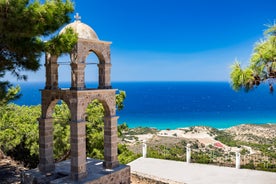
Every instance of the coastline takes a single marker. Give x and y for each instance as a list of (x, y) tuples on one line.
[(160, 128), (255, 143)]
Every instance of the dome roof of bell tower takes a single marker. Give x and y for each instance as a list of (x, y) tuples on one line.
[(83, 30)]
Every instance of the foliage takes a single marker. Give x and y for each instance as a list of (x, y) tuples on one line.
[(244, 151), (22, 24), (95, 126), (262, 66), (142, 130), (122, 128), (62, 119), (241, 77), (249, 165), (173, 152), (95, 130), (201, 157), (226, 139), (120, 97), (19, 132), (125, 155), (62, 43), (263, 166), (8, 93)]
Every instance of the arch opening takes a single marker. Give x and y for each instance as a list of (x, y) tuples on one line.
[(60, 114), (95, 113), (91, 70), (61, 120), (64, 71)]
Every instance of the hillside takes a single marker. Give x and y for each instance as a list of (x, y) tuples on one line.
[(257, 144), (253, 133)]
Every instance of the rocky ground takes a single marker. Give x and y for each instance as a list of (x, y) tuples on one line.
[(9, 170)]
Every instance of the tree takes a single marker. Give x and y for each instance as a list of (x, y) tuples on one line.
[(120, 97), (262, 65), (23, 23), (19, 132), (8, 93)]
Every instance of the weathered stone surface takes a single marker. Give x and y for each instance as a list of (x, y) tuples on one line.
[(96, 174)]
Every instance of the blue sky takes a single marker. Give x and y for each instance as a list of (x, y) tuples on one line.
[(174, 40)]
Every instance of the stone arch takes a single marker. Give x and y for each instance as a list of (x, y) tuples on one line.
[(107, 111), (91, 70), (46, 130), (107, 108), (106, 98), (51, 107), (78, 62), (99, 54)]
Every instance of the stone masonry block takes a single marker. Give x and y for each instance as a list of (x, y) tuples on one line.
[(45, 168), (46, 160), (46, 152), (78, 161), (46, 139), (46, 146), (78, 129)]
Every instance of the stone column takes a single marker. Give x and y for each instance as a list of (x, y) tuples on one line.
[(51, 67), (238, 159), (46, 158), (110, 142), (144, 147), (188, 153), (77, 76), (104, 76), (78, 150)]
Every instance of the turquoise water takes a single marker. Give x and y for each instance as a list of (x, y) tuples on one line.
[(221, 121), (182, 104)]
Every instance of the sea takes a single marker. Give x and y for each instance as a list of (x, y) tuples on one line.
[(172, 105)]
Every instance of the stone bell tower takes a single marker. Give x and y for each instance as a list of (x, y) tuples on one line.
[(77, 98)]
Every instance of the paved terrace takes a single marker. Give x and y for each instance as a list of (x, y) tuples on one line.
[(180, 172)]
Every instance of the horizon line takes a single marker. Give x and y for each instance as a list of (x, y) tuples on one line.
[(130, 81)]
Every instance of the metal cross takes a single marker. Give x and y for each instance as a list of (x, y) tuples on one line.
[(77, 17)]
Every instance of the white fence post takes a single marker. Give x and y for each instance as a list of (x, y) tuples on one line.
[(188, 153), (238, 159), (144, 147)]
